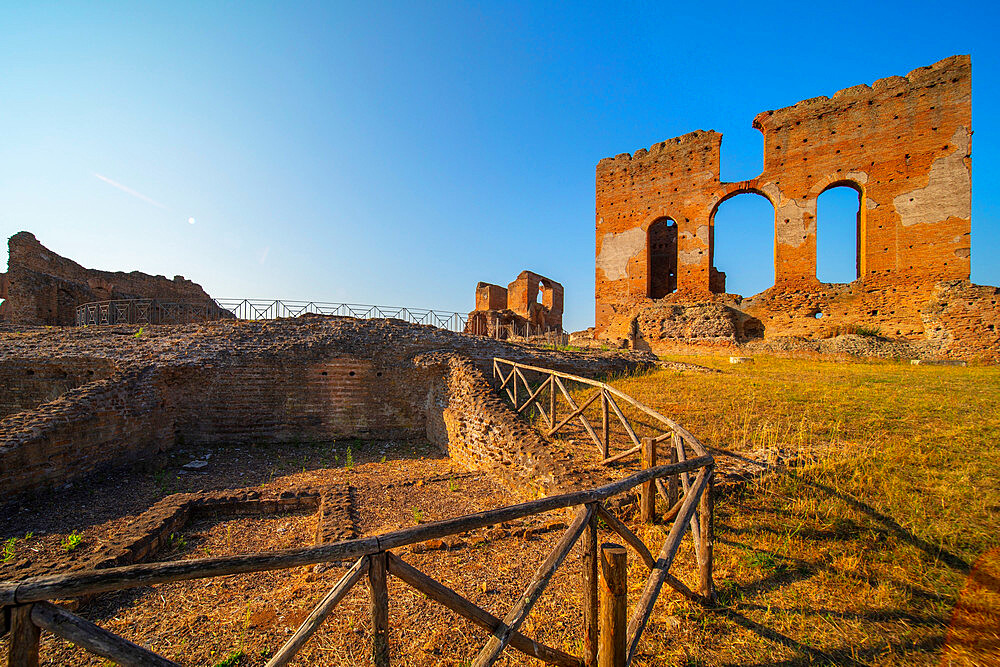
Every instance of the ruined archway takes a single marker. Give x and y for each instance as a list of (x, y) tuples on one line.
[(742, 256), (839, 232), (661, 258)]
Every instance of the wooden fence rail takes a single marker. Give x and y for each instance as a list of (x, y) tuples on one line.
[(508, 376), (31, 612)]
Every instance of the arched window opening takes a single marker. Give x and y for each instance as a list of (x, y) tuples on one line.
[(661, 249), (838, 227), (741, 245)]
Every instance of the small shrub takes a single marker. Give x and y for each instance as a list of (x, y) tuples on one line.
[(177, 541), (452, 484), (72, 541), (138, 334), (9, 550), (349, 459), (232, 659), (871, 331), (418, 515)]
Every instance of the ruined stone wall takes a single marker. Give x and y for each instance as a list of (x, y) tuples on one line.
[(903, 143), (490, 297), (530, 301), (41, 287), (294, 400), (305, 379), (28, 383), (118, 419), (469, 421)]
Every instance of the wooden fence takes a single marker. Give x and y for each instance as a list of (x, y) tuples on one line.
[(30, 610)]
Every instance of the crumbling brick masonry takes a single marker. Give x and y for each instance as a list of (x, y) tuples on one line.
[(40, 287), (530, 300), (903, 143)]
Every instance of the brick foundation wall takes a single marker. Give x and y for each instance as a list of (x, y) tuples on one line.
[(29, 383), (288, 400), (303, 379), (118, 419), (469, 421)]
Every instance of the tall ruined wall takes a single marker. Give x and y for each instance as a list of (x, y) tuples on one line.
[(40, 287), (903, 143)]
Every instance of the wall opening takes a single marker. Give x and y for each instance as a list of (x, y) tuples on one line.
[(838, 234), (741, 244), (661, 258)]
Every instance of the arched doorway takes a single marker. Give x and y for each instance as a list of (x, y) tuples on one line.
[(661, 255)]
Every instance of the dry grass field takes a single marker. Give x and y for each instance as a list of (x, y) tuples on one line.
[(859, 552)]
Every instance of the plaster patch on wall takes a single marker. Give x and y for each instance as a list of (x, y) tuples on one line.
[(870, 203), (702, 234), (949, 189), (690, 256), (859, 177), (792, 226), (617, 250)]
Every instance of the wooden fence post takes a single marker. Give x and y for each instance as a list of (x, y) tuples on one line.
[(552, 402), (647, 492), (614, 605), (24, 634), (673, 482), (590, 596), (380, 609), (605, 425), (706, 510)]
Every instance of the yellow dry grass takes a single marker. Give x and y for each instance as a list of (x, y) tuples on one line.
[(858, 554)]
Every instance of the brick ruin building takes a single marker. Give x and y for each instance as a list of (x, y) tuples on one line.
[(532, 302), (42, 288), (903, 143)]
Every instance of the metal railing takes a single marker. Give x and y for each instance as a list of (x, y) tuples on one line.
[(148, 311), (155, 311)]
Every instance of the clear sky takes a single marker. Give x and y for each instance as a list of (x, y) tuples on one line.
[(396, 154)]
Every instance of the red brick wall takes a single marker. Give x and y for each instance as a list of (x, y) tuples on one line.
[(281, 400), (904, 143)]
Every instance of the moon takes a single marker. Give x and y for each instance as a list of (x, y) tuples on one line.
[(190, 221)]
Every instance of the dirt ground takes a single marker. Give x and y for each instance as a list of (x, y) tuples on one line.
[(243, 619)]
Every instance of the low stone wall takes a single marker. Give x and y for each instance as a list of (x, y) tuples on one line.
[(118, 419), (150, 531), (29, 383), (469, 421)]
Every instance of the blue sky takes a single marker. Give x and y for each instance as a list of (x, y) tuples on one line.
[(398, 153)]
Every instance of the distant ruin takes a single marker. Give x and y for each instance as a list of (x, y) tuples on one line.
[(532, 303), (904, 144), (42, 288)]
